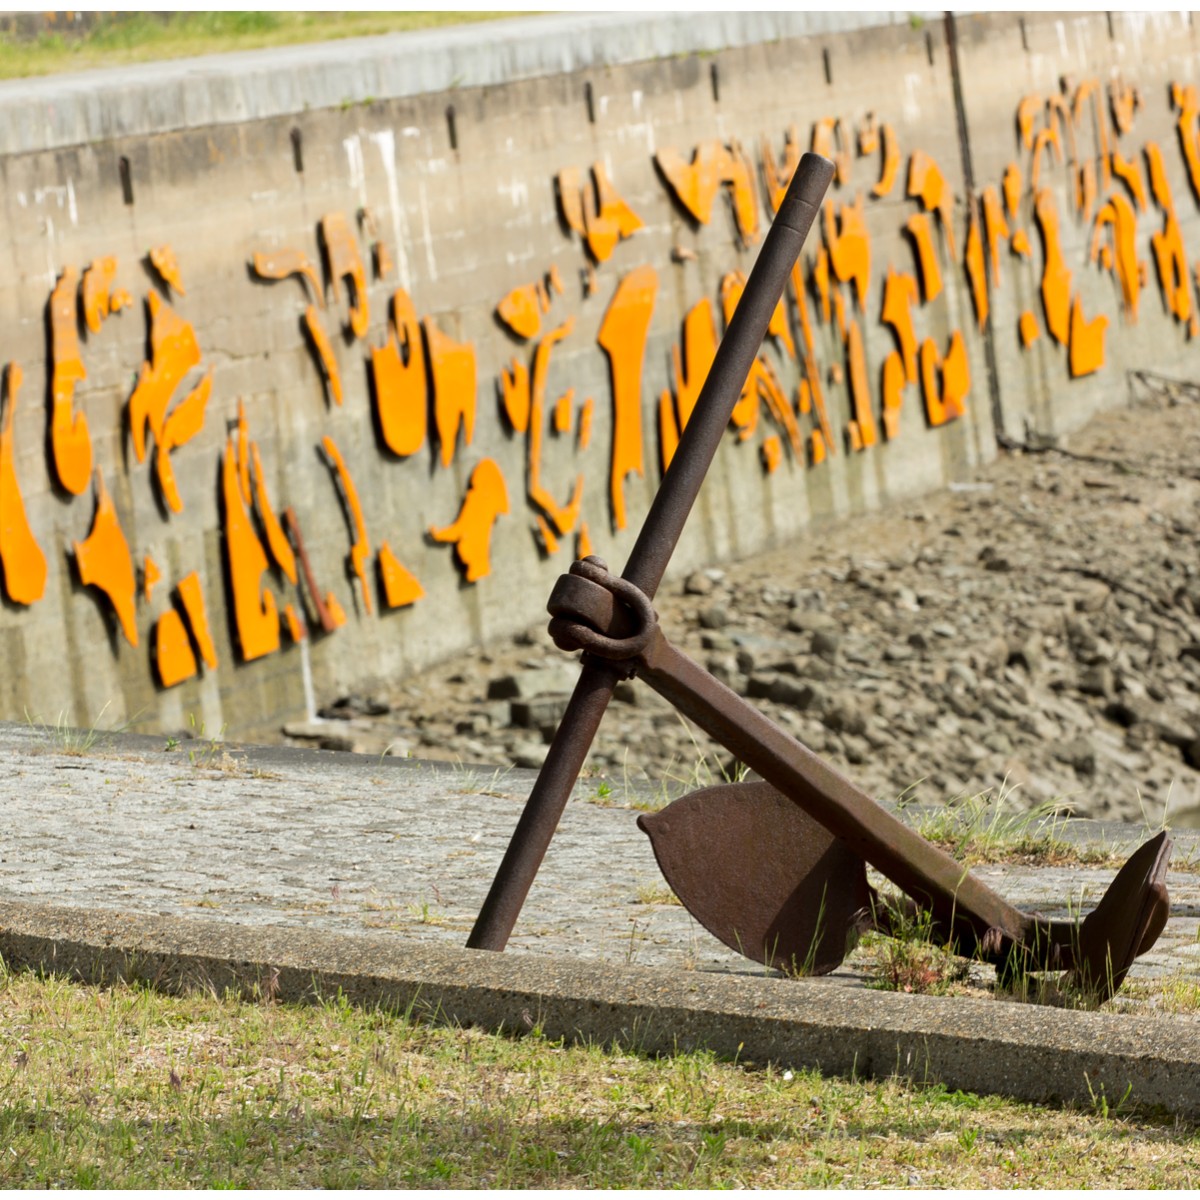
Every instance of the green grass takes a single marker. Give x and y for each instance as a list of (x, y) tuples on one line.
[(117, 39), (125, 1087)]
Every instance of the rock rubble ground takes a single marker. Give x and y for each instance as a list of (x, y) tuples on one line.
[(1033, 631)]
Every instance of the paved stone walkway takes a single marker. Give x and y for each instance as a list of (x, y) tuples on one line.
[(350, 843)]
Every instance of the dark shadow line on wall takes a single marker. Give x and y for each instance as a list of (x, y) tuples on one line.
[(968, 170)]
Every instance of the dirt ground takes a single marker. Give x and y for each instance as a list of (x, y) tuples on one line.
[(1033, 632)]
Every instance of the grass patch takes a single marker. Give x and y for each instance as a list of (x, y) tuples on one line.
[(989, 828), (118, 39), (124, 1087)]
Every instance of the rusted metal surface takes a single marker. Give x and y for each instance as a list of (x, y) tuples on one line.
[(655, 544), (778, 870), (762, 876)]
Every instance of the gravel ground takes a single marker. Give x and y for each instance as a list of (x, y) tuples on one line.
[(1032, 632)]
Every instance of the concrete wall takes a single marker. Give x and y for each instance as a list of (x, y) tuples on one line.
[(452, 154)]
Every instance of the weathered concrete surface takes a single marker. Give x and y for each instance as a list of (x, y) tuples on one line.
[(223, 160), (296, 869), (1029, 1053)]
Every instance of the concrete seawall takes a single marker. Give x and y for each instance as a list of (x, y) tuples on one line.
[(431, 308)]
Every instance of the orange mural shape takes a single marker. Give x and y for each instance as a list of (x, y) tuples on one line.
[(324, 349), (927, 184), (150, 576), (1130, 174), (893, 394), (976, 269), (1184, 98), (520, 311), (21, 557), (1056, 277), (345, 264), (696, 183), (1170, 258), (622, 337), (1027, 326), (772, 454), (192, 595), (689, 370), (995, 230), (1118, 213), (173, 352), (95, 291), (607, 219), (281, 549), (360, 551), (105, 563), (400, 586), (890, 170), (173, 654), (163, 259), (286, 262), (256, 618), (778, 173), (70, 440), (1086, 353), (861, 429), (927, 260), (945, 402), (471, 532), (398, 371), (849, 246), (829, 140), (184, 422), (452, 368)]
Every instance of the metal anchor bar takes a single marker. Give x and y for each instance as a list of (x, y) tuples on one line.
[(655, 544)]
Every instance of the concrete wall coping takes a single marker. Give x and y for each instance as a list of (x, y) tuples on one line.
[(86, 106)]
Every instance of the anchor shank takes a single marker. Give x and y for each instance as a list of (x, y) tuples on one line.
[(655, 544), (960, 902)]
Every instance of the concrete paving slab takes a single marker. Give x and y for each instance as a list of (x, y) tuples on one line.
[(228, 864)]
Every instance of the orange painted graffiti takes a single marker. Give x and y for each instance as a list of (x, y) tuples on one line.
[(398, 371), (344, 264), (71, 442), (21, 557), (471, 531), (713, 165), (622, 337), (104, 561), (597, 213), (452, 369), (360, 550)]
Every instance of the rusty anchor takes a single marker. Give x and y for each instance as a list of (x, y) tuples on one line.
[(777, 869)]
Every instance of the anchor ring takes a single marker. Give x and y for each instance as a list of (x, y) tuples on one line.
[(569, 627)]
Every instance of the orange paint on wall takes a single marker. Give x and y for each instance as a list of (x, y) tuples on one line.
[(697, 182), (255, 615), (778, 173), (1056, 278), (398, 371), (1184, 98), (811, 393), (163, 260), (563, 517), (562, 412), (899, 296), (1027, 326), (452, 367), (346, 264), (295, 627), (1087, 342), (607, 219), (97, 284), (324, 349), (862, 427), (21, 557), (70, 440), (623, 336), (360, 551), (849, 246), (184, 422), (519, 310), (1170, 257), (1028, 110), (104, 561), (283, 263), (281, 550), (586, 412), (192, 596), (400, 586), (1130, 174), (173, 654), (150, 576), (1085, 189), (1011, 186), (931, 273), (1020, 244), (1046, 138), (1118, 213), (927, 184), (1124, 101), (515, 395), (829, 140), (945, 402), (995, 230), (471, 532), (890, 170), (173, 352), (893, 394), (772, 454)]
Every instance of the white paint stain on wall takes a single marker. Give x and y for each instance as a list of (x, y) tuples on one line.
[(384, 140), (426, 233), (912, 89), (354, 158)]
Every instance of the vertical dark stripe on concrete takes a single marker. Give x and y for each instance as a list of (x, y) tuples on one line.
[(968, 170)]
